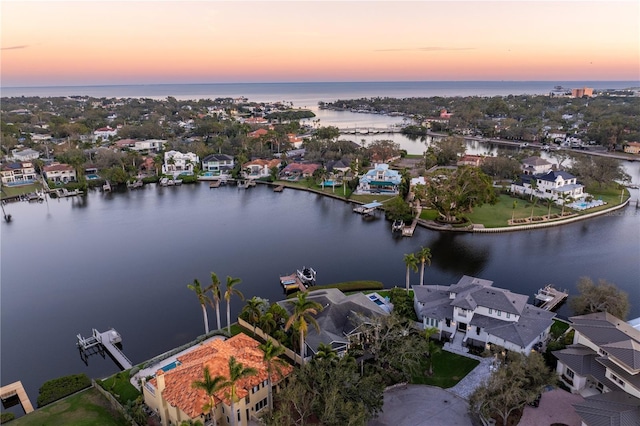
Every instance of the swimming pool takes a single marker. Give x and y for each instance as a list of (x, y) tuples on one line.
[(92, 176), (171, 366), (380, 301)]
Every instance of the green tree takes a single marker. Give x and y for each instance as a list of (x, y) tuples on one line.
[(303, 314), (601, 297), (211, 385), (411, 262), (511, 387), (228, 294), (267, 323), (446, 151), (252, 311), (237, 372), (424, 255), (217, 296), (325, 351), (203, 299), (275, 365)]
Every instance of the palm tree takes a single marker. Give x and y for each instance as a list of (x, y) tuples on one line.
[(424, 255), (432, 347), (210, 385), (253, 311), (534, 185), (412, 263), (237, 371), (303, 312), (325, 351), (565, 199), (513, 211), (215, 289), (273, 363), (203, 299), (228, 294), (267, 323)]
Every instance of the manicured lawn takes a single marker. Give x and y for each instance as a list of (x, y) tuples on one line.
[(499, 214), (120, 386), (13, 191), (86, 408), (448, 369), (558, 327), (428, 214)]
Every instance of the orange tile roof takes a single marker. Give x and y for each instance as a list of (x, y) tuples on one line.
[(215, 355)]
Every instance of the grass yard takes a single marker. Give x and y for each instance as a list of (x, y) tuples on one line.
[(120, 387), (499, 214), (86, 408), (558, 328), (14, 191), (448, 369)]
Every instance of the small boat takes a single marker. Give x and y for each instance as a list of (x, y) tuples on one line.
[(307, 276), (397, 226)]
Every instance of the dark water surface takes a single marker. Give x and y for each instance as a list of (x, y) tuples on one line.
[(124, 260)]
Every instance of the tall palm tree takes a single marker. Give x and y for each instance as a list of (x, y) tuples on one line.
[(210, 385), (228, 294), (534, 185), (273, 363), (237, 371), (253, 311), (412, 263), (424, 255), (203, 299), (217, 295), (267, 323), (302, 316)]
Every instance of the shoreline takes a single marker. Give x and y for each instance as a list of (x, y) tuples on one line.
[(474, 228)]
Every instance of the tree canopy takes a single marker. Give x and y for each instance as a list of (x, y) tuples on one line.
[(598, 170), (599, 297)]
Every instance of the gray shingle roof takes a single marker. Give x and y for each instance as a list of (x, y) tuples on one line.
[(553, 175), (500, 299), (578, 358), (627, 351), (610, 409), (536, 161), (340, 316)]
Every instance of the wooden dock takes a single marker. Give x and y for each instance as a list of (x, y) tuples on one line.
[(408, 231), (214, 184), (16, 389), (103, 341), (279, 188), (550, 297), (292, 282)]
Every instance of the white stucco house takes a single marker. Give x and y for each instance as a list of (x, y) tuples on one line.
[(473, 312), (104, 133), (25, 154), (18, 173), (259, 168), (218, 165), (535, 166), (177, 163), (551, 185), (380, 179), (603, 365)]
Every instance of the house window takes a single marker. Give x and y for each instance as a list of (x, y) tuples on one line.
[(570, 373), (508, 315), (490, 311), (499, 313)]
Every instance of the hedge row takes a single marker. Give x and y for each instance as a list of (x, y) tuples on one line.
[(58, 388)]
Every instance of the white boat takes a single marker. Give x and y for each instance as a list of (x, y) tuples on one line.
[(307, 276), (397, 226)]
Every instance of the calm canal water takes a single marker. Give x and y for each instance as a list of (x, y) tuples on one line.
[(123, 260)]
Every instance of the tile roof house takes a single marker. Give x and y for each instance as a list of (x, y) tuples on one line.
[(551, 185), (473, 312), (603, 365), (18, 173), (257, 133), (58, 172), (380, 179), (171, 394), (632, 148), (340, 319), (299, 170)]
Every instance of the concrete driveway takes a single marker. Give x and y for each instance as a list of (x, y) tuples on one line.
[(421, 405)]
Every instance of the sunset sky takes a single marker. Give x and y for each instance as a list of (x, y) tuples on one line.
[(126, 42)]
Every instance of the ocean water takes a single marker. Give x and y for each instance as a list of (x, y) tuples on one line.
[(309, 94)]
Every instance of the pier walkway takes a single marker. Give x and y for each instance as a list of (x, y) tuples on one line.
[(550, 297), (408, 231), (105, 340), (16, 389)]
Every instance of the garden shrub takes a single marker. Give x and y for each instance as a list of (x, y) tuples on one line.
[(6, 417), (58, 388)]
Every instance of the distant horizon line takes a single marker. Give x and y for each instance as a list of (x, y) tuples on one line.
[(317, 82)]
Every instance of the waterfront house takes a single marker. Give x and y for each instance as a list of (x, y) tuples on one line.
[(474, 313), (18, 173), (171, 396), (60, 173), (257, 133), (218, 165), (296, 171), (340, 321), (177, 163), (535, 166), (553, 185), (603, 365), (470, 160), (259, 168), (380, 179)]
